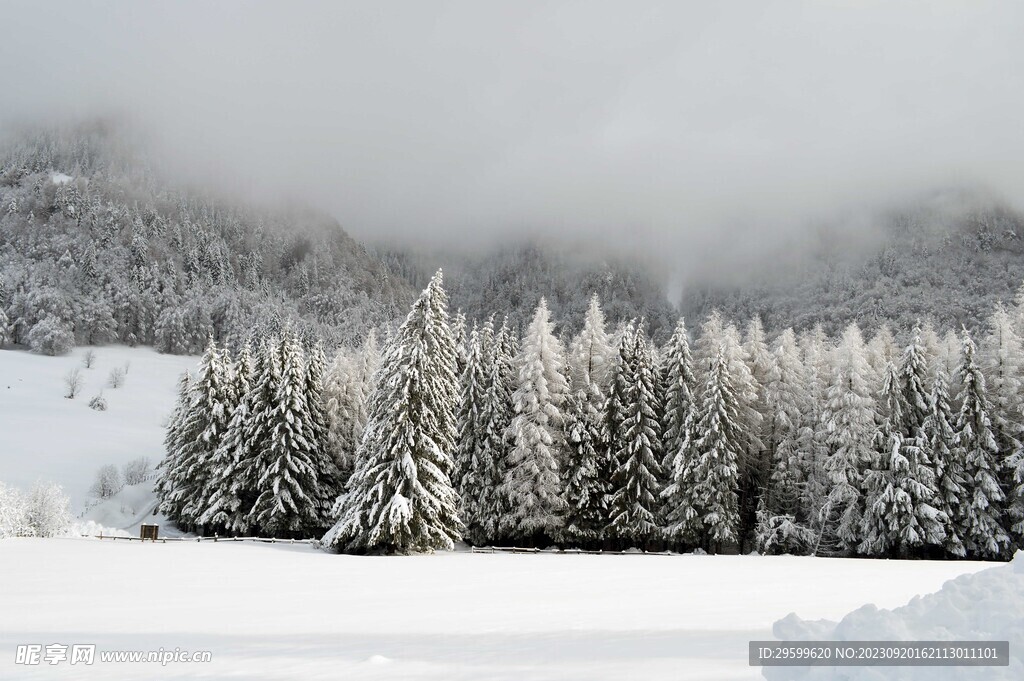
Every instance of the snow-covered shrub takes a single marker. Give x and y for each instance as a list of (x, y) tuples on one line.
[(88, 359), (73, 382), (108, 482), (116, 378), (135, 471), (51, 336), (12, 513), (47, 510), (98, 402)]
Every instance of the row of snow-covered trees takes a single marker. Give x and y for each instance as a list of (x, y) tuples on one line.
[(262, 441), (801, 444)]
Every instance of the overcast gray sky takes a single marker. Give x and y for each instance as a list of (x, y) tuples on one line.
[(643, 124)]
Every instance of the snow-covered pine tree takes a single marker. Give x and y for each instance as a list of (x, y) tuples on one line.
[(782, 526), (473, 467), (585, 478), (533, 486), (400, 498), (616, 400), (708, 344), (170, 471), (458, 323), (242, 375), (591, 354), (901, 513), (982, 530), (851, 424), (940, 438), (933, 353), (880, 351), (914, 380), (249, 433), (218, 485), (585, 489), (753, 467), (713, 497), (762, 365), (1003, 355), (1001, 360), (498, 411), (328, 475), (677, 427), (815, 351), (634, 506), (760, 362), (286, 470), (200, 432)]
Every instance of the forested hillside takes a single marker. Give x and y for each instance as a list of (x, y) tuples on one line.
[(96, 248), (949, 260)]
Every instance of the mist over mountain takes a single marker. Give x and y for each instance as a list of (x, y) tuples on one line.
[(510, 279), (947, 258)]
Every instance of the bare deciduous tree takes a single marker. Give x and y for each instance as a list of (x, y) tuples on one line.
[(135, 471), (73, 382), (88, 359), (116, 377)]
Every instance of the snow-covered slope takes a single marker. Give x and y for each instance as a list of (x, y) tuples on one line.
[(44, 436), (291, 611)]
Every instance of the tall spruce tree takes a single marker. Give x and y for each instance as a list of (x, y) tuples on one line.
[(940, 438), (585, 477), (171, 474), (815, 351), (850, 420), (199, 434), (677, 427), (496, 422), (782, 526), (533, 486), (400, 498), (752, 468), (713, 497), (634, 506), (328, 475), (474, 468), (287, 471), (585, 489), (232, 499), (591, 355), (983, 534)]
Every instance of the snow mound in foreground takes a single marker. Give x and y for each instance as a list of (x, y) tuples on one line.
[(987, 605)]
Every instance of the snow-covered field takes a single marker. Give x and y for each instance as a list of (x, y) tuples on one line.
[(290, 611), (47, 437), (281, 611)]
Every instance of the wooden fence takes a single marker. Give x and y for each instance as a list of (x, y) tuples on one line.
[(164, 540), (517, 549)]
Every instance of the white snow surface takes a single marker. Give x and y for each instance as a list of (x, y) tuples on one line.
[(44, 436), (291, 611), (983, 606), (60, 178)]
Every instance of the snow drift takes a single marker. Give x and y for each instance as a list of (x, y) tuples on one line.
[(987, 605)]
